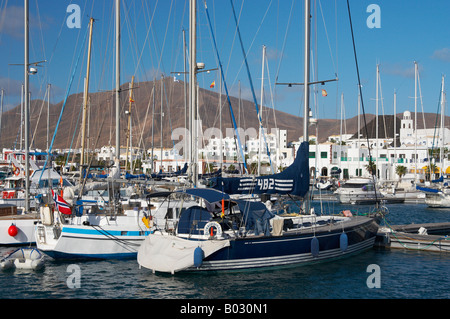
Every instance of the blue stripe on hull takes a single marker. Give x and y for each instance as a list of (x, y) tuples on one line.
[(90, 238)]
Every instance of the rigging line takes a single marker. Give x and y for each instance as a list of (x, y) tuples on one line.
[(251, 86), (170, 120), (382, 107), (226, 89), (328, 38), (63, 106), (254, 38), (232, 43), (435, 124), (165, 37), (146, 38), (271, 94), (39, 116), (361, 96), (421, 101), (133, 47), (73, 137), (121, 242), (141, 139)]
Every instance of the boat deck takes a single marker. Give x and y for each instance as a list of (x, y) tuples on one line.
[(20, 216)]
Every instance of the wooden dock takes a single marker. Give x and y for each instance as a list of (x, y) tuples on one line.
[(423, 237), (329, 197)]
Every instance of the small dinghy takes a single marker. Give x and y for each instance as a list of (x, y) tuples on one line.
[(23, 258)]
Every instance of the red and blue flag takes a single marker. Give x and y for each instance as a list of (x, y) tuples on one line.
[(61, 205)]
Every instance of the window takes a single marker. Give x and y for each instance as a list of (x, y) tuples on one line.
[(312, 155), (323, 155)]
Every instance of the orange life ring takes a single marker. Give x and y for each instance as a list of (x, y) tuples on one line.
[(17, 171)]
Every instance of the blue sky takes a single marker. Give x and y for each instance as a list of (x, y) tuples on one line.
[(414, 30)]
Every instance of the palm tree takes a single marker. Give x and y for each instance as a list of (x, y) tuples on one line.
[(400, 171), (371, 167), (431, 169)]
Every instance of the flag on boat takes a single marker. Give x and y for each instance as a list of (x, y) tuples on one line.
[(131, 100), (61, 204), (324, 93), (213, 84)]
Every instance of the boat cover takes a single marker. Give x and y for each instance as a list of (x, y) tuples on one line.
[(294, 180), (427, 189), (256, 216), (166, 253), (208, 194)]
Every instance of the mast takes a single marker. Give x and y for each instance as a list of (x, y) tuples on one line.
[(262, 97), (186, 147), (1, 110), (117, 93), (153, 125), (306, 85), (129, 126), (192, 87), (306, 79), (26, 108), (48, 118), (395, 131), (376, 122), (415, 121), (21, 116), (442, 126), (359, 133), (161, 123), (220, 123), (85, 98)]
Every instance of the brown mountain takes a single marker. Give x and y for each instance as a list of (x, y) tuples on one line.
[(102, 118)]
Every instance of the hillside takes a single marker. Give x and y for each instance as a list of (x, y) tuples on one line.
[(102, 110)]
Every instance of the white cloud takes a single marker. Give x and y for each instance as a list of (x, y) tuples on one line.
[(442, 54), (12, 22), (399, 69)]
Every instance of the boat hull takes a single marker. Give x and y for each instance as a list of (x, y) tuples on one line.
[(292, 249), (304, 246), (25, 225), (90, 242), (437, 200)]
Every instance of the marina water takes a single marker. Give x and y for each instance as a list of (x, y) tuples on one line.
[(401, 274)]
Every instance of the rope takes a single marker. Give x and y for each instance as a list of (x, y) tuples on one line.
[(361, 95), (251, 86), (62, 109), (226, 89), (432, 243)]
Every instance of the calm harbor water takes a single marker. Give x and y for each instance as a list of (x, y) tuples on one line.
[(403, 274)]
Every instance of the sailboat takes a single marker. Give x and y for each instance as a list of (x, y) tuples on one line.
[(103, 228), (222, 233), (18, 227), (437, 195)]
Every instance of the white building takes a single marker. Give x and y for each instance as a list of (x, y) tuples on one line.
[(353, 158), (166, 160)]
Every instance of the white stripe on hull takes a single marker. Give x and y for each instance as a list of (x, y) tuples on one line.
[(283, 260)]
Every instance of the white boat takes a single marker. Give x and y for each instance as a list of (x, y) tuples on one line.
[(324, 184), (16, 228), (357, 191), (406, 191), (436, 196), (95, 230), (23, 258)]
